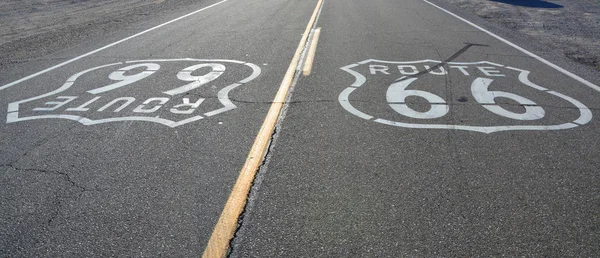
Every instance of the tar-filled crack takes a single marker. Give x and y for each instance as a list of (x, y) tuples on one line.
[(285, 102), (407, 102), (447, 85), (449, 59), (447, 78)]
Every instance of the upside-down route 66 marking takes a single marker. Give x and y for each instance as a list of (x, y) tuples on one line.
[(174, 105)]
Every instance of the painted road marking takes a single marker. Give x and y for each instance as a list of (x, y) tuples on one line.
[(6, 86), (311, 52), (218, 244), (558, 68), (480, 75), (169, 106)]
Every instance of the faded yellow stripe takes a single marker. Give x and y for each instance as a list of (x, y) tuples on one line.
[(218, 244), (311, 53)]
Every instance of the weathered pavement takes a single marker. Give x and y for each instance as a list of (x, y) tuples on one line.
[(140, 188), (338, 185), (434, 139)]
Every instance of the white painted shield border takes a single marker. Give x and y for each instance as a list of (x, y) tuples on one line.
[(584, 118), (222, 95)]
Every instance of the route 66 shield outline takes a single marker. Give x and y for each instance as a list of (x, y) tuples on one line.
[(585, 115)]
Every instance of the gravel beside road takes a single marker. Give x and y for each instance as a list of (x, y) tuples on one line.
[(572, 27), (34, 28), (24, 18)]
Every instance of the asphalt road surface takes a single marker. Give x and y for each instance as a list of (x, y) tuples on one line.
[(417, 133)]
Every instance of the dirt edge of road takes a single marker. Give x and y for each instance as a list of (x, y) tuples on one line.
[(571, 27), (36, 28)]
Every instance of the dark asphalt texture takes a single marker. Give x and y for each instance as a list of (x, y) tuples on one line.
[(139, 189), (333, 184), (337, 185)]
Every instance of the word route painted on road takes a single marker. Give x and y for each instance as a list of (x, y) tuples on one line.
[(475, 96), (187, 90)]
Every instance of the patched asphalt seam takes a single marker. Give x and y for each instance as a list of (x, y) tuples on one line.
[(252, 193), (262, 169)]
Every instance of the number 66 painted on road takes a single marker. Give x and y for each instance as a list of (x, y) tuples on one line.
[(184, 75), (397, 94)]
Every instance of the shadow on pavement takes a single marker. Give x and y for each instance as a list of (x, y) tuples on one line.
[(530, 3)]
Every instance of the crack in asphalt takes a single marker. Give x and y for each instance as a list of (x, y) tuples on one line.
[(379, 102), (447, 82), (41, 143), (487, 55), (59, 199), (66, 176), (261, 170), (449, 59), (58, 203), (407, 102), (254, 187)]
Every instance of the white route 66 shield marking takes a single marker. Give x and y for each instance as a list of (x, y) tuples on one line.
[(171, 106), (487, 73)]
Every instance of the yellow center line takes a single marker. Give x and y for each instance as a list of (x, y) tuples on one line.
[(311, 53), (218, 244)]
